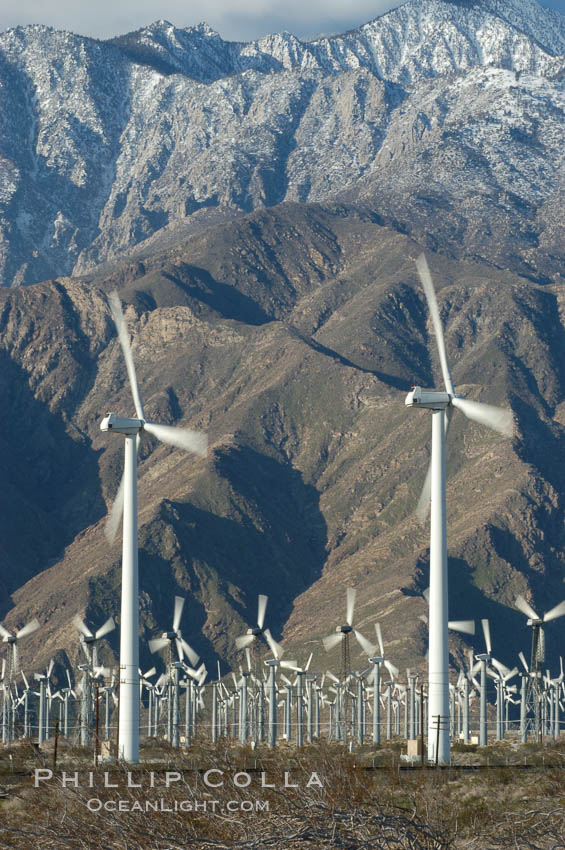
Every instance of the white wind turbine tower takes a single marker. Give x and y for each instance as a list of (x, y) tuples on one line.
[(126, 502), (441, 405)]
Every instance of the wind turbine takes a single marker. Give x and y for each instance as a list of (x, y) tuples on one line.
[(537, 657), (254, 633), (126, 503), (89, 639), (13, 639), (441, 405)]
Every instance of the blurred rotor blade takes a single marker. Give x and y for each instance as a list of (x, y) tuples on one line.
[(101, 671), (366, 645), (502, 668), (424, 501), (523, 606), (244, 640), (275, 647), (261, 608), (248, 658), (179, 605), (427, 283), (391, 669), (190, 653), (68, 679), (123, 336), (31, 627), (86, 650), (156, 644), (81, 626), (423, 505), (115, 515), (497, 418), (426, 594), (4, 632), (523, 660), (149, 673), (486, 633), (25, 680), (182, 438), (558, 611), (50, 668), (108, 626), (380, 638), (332, 641), (331, 676), (351, 594), (466, 626), (290, 665), (307, 667)]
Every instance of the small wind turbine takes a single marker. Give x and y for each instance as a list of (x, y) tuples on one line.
[(13, 638), (250, 638), (537, 657), (441, 404), (126, 503), (89, 639)]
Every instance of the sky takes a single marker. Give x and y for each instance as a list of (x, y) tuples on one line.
[(238, 20)]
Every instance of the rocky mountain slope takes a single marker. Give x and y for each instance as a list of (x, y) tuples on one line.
[(259, 207), (291, 337)]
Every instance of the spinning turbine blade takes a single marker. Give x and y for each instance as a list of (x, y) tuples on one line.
[(391, 669), (31, 627), (524, 662), (4, 632), (332, 640), (425, 496), (351, 594), (558, 611), (379, 638), (525, 608), (497, 418), (423, 505), (192, 656), (244, 640), (115, 515), (427, 283), (156, 644), (261, 608), (275, 647), (190, 441), (119, 321), (365, 644), (108, 626), (466, 626), (81, 626), (486, 632), (179, 605)]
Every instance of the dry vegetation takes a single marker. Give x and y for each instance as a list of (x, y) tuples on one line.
[(506, 797)]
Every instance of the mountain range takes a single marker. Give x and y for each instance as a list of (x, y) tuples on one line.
[(259, 208)]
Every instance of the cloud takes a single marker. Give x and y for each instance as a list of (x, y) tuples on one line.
[(246, 20), (241, 21)]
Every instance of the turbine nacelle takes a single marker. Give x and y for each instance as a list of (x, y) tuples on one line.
[(532, 622), (121, 425), (344, 629), (417, 397)]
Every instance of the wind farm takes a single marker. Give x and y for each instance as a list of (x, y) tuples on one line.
[(272, 700), (276, 611)]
